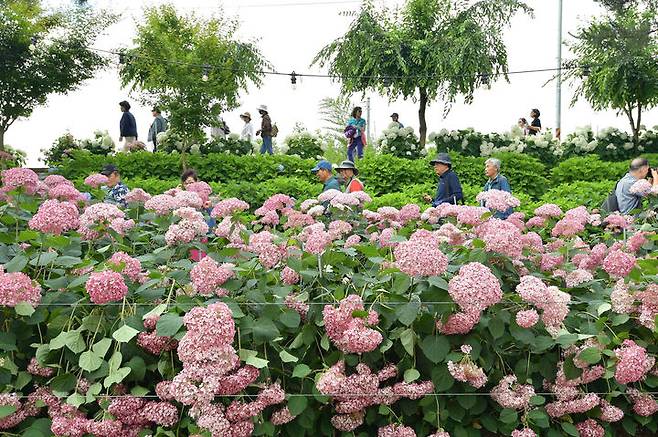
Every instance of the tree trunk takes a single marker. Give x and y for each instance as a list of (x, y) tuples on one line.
[(422, 131), (631, 119), (636, 132), (2, 139)]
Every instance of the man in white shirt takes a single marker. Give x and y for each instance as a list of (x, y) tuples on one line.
[(248, 128)]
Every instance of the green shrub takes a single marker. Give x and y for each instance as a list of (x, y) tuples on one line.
[(587, 168), (232, 144), (400, 142), (590, 194)]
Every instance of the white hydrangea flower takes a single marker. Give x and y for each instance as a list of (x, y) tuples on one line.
[(627, 146)]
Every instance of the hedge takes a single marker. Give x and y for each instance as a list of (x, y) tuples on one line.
[(382, 174)]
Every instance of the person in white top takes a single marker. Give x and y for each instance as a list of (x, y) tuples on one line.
[(248, 128)]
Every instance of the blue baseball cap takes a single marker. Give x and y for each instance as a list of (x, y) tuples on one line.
[(322, 165)]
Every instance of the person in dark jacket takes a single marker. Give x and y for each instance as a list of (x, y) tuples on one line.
[(449, 190), (265, 130), (127, 125)]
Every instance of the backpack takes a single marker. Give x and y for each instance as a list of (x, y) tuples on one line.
[(275, 130), (349, 131), (610, 204)]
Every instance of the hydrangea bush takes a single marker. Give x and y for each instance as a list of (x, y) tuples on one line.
[(321, 317), (400, 142), (303, 143), (232, 144)]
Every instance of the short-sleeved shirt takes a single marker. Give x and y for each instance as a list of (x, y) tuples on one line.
[(117, 194), (359, 124), (626, 200), (536, 123)]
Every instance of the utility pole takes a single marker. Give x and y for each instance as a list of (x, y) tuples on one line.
[(368, 120), (558, 89)]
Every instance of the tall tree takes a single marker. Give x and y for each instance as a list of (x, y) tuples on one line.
[(192, 68), (43, 53), (430, 49), (615, 65)]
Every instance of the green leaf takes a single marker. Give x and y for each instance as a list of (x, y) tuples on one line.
[(411, 375), (67, 261), (286, 357), (158, 310), (138, 368), (76, 399), (438, 282), (27, 235), (496, 327), (604, 307), (539, 418), (290, 318), (43, 259), (435, 348), (361, 314), (591, 355), (265, 330), (63, 383), (24, 309), (258, 363), (508, 416), (125, 334), (301, 371), (116, 377), (570, 429), (297, 404), (169, 324), (101, 347), (115, 361), (89, 361), (407, 338), (6, 410), (570, 369), (16, 264), (407, 313)]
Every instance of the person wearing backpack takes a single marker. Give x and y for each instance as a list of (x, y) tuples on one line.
[(624, 200), (449, 190), (159, 125), (356, 129), (266, 130)]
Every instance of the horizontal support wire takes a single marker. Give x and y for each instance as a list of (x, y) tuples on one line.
[(299, 395), (271, 303)]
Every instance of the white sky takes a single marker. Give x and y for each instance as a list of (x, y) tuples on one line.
[(289, 34)]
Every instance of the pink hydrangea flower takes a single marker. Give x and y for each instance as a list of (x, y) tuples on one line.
[(589, 428), (548, 210), (420, 256), (132, 267), (525, 432), (289, 276), (633, 364), (96, 180), (527, 318), (65, 192), (349, 333), (643, 403), (18, 287), (106, 286), (352, 241), (618, 264), (55, 217), (641, 187), (498, 200), (468, 372), (201, 188), (208, 276), (509, 394), (396, 431), (137, 195), (15, 178), (475, 288)]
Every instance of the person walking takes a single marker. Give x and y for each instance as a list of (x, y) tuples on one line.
[(396, 120), (117, 191), (127, 125), (626, 200), (247, 133), (535, 125), (265, 131), (496, 181), (357, 141), (159, 125), (349, 172), (449, 190)]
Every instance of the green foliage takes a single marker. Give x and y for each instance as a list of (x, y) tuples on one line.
[(590, 194), (44, 53), (192, 96), (619, 51), (610, 144), (60, 149), (430, 49), (587, 168)]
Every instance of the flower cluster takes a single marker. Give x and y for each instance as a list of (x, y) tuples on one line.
[(98, 218), (509, 394), (553, 302), (96, 180), (354, 393), (633, 364), (55, 217), (129, 266), (18, 287), (498, 200), (208, 276), (106, 286), (349, 331), (421, 256), (153, 343), (19, 178), (191, 226)]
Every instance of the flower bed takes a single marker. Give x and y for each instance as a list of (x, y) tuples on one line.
[(394, 322)]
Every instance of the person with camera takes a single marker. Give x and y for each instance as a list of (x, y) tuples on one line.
[(627, 200)]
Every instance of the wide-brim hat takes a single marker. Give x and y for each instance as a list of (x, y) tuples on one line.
[(246, 115), (348, 165), (262, 108), (441, 158), (108, 169)]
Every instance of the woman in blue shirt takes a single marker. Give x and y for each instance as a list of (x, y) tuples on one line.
[(358, 140)]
